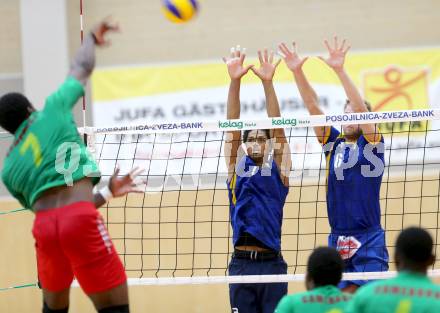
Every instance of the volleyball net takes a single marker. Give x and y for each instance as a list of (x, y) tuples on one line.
[(179, 230)]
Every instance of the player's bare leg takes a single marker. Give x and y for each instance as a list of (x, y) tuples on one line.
[(56, 301), (114, 297)]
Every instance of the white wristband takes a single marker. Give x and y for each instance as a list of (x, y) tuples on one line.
[(106, 193)]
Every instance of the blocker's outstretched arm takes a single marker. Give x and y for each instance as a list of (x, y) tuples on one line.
[(308, 95), (236, 70), (266, 72), (336, 61)]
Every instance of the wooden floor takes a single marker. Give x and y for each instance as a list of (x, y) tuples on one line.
[(200, 237)]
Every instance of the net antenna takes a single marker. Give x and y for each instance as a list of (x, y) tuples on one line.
[(81, 22)]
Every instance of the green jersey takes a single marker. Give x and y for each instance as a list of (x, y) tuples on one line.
[(47, 150), (406, 293), (326, 299)]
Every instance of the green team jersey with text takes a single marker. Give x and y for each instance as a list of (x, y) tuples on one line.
[(325, 299), (47, 150), (406, 293)]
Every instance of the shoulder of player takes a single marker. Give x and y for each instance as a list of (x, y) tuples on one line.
[(364, 140), (70, 90), (384, 286), (72, 83), (369, 288), (277, 170), (318, 296), (299, 297), (384, 283), (432, 285), (331, 135), (331, 145), (307, 295), (288, 303)]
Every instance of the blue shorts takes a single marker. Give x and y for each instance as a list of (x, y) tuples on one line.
[(261, 298), (362, 252)]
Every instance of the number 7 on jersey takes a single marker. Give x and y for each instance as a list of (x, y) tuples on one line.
[(31, 142)]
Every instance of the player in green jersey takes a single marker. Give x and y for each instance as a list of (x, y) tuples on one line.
[(324, 272), (49, 170), (411, 291)]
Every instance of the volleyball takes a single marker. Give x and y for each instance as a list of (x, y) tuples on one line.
[(180, 11)]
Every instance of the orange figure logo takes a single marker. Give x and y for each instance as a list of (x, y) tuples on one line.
[(393, 89)]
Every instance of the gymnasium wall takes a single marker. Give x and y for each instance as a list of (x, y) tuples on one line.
[(10, 56), (10, 59), (252, 23)]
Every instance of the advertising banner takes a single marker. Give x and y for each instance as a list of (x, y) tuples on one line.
[(192, 93)]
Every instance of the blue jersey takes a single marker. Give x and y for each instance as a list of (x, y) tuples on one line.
[(354, 176), (256, 201)]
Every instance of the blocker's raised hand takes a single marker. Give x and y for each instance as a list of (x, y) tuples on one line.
[(291, 57), (235, 62), (267, 68), (336, 58)]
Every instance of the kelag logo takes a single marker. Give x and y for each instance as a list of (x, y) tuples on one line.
[(230, 124), (281, 121)]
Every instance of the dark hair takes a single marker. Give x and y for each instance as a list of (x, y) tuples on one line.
[(325, 266), (367, 104), (246, 134), (14, 110), (414, 246)]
